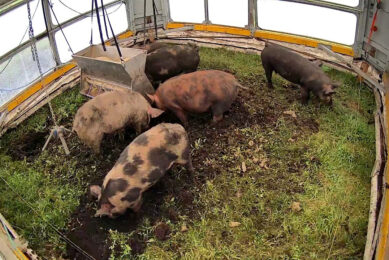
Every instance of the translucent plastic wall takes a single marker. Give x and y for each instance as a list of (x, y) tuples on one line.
[(332, 20), (17, 68), (275, 15)]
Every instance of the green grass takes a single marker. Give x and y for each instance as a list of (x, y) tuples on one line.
[(51, 183), (322, 159), (330, 179)]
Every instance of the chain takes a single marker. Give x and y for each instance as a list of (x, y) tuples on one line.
[(34, 50), (35, 56)]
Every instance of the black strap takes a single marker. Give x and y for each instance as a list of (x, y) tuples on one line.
[(155, 20), (114, 37), (105, 22), (91, 24), (99, 24)]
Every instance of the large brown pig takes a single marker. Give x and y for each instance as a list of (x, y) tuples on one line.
[(298, 70), (140, 166), (197, 92), (109, 112), (168, 61)]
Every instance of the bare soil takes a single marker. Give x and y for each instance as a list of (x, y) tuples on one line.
[(92, 234)]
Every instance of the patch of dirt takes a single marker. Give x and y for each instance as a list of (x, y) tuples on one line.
[(250, 109), (27, 146)]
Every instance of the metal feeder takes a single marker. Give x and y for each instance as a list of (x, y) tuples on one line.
[(104, 70)]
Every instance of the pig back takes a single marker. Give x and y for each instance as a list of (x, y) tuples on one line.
[(111, 111), (150, 155), (288, 64), (188, 58), (197, 91)]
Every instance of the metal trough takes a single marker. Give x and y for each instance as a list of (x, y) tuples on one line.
[(104, 70)]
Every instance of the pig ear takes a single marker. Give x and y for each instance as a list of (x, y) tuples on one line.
[(105, 210), (152, 98), (154, 112), (318, 63), (95, 191)]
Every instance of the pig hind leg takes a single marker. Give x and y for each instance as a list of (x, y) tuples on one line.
[(218, 110), (181, 115), (269, 72)]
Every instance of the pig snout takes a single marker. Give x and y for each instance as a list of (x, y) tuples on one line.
[(105, 210), (95, 191)]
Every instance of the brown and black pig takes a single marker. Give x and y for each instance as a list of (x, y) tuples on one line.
[(170, 60), (298, 70), (197, 92), (151, 47), (109, 112), (140, 166)]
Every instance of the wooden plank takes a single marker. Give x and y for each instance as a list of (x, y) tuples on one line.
[(383, 246), (355, 68), (36, 101)]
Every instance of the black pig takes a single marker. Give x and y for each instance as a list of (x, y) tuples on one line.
[(298, 70)]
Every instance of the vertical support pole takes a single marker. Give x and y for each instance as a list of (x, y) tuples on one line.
[(362, 20), (50, 26), (251, 16), (206, 12)]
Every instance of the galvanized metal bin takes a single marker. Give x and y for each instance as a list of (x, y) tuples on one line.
[(106, 70)]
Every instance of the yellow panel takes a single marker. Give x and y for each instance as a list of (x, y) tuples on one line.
[(283, 37), (212, 28), (339, 48), (121, 36), (37, 86)]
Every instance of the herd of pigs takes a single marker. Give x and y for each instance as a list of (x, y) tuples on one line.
[(182, 90)]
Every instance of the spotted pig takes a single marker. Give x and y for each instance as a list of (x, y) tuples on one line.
[(109, 112), (140, 166), (170, 60), (197, 92), (298, 70)]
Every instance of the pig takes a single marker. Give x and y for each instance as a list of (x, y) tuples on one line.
[(298, 70), (197, 92), (152, 46), (171, 60), (140, 166), (109, 112)]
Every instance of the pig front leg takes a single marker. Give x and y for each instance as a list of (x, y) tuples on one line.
[(304, 96)]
